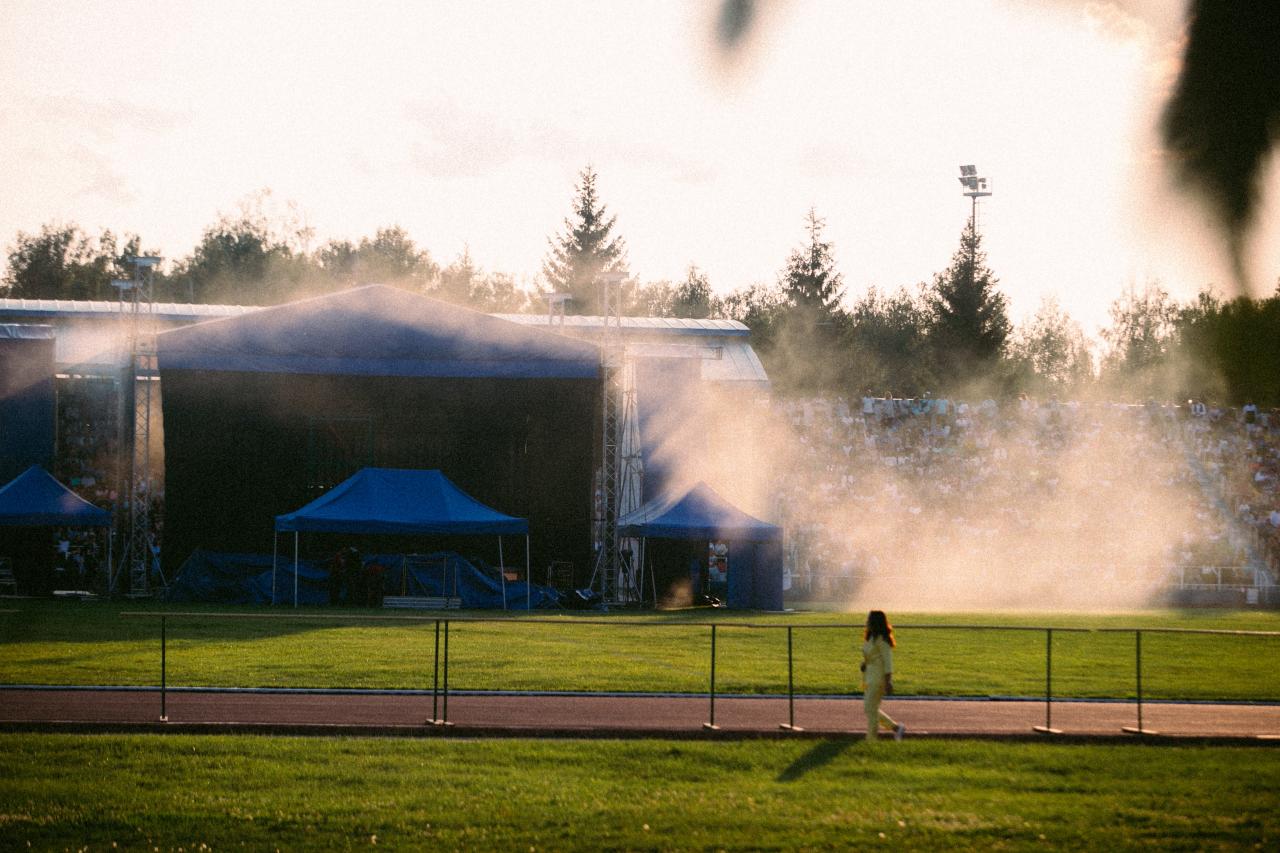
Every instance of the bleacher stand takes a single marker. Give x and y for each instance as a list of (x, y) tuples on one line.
[(892, 485)]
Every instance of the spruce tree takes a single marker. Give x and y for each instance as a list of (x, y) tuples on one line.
[(809, 281), (807, 356), (969, 316), (585, 250)]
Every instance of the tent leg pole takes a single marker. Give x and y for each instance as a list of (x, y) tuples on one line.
[(275, 551), (653, 579), (435, 680), (295, 568), (528, 583), (502, 571)]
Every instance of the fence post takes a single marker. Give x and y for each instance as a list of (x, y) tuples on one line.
[(435, 679), (444, 716), (1048, 728), (711, 724), (790, 725), (164, 712), (1137, 645)]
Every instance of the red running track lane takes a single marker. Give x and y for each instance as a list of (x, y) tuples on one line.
[(604, 715)]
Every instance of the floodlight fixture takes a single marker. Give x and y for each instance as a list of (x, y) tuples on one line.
[(974, 186), (146, 262)]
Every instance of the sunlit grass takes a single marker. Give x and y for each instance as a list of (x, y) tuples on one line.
[(69, 643), (185, 792)]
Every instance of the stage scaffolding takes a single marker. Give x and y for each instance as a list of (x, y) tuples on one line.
[(137, 559), (620, 478)]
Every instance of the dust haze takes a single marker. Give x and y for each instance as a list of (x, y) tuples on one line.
[(1019, 505)]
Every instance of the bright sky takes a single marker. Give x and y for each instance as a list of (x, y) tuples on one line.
[(467, 123)]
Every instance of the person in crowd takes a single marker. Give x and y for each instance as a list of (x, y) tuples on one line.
[(877, 674), (346, 577)]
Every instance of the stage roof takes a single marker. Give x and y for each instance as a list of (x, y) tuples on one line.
[(90, 335), (376, 331)]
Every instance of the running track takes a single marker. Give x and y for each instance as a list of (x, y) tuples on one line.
[(605, 715)]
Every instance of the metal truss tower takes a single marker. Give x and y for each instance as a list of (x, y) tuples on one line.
[(136, 311), (619, 480)]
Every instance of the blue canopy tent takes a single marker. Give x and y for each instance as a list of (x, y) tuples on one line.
[(35, 499), (700, 514), (398, 501)]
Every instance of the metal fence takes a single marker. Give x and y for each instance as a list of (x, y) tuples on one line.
[(441, 659)]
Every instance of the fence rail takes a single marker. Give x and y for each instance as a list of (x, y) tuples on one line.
[(441, 656)]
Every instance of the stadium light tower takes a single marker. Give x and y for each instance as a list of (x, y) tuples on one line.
[(975, 188)]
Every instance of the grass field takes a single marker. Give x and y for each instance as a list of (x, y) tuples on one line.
[(194, 793), (63, 642)]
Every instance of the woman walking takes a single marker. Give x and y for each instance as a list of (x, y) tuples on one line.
[(877, 674)]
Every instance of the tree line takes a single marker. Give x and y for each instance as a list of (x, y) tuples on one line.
[(951, 335)]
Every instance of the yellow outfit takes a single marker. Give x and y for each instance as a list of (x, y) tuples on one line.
[(877, 654)]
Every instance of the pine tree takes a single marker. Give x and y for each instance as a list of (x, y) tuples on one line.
[(585, 250), (970, 319)]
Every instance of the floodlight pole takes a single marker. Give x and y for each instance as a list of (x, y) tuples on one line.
[(975, 188)]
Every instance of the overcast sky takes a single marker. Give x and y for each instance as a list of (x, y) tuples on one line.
[(467, 123)]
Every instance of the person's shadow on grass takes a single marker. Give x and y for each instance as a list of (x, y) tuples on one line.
[(824, 752)]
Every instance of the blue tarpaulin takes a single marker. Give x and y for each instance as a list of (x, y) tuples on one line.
[(398, 501), (35, 499), (209, 576)]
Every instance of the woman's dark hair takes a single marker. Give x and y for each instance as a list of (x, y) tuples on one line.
[(878, 626)]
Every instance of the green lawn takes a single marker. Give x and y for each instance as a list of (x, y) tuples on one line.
[(58, 642), (172, 792)]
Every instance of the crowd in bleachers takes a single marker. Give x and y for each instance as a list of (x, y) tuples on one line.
[(87, 438), (1240, 453), (882, 486)]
